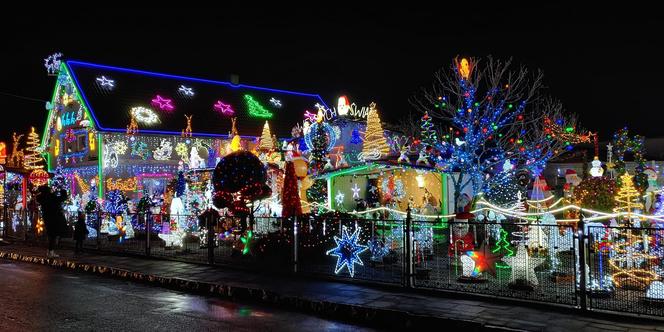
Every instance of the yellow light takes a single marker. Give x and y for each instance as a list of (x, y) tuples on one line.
[(420, 181), (320, 116), (58, 124), (464, 68), (128, 184), (56, 149), (235, 143), (91, 140)]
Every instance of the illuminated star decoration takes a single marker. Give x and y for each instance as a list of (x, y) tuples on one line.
[(523, 266), (187, 91), (347, 251), (311, 117), (485, 261), (275, 102), (339, 198), (356, 191), (163, 104), (224, 109), (105, 82)]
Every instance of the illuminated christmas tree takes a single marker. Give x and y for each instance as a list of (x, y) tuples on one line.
[(266, 138), (32, 158), (627, 198), (318, 190), (429, 136), (375, 144)]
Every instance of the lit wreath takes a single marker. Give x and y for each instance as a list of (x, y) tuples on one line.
[(331, 134), (144, 115)]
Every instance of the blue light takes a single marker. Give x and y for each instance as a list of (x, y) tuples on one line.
[(347, 251), (177, 77)]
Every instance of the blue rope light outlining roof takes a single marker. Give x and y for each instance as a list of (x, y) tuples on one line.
[(109, 108)]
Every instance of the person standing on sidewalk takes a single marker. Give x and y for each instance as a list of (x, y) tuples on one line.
[(54, 218), (80, 232)]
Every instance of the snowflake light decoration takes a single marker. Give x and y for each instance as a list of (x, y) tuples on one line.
[(339, 198), (275, 102), (356, 191), (347, 251)]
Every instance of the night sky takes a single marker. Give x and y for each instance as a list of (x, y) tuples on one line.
[(604, 64)]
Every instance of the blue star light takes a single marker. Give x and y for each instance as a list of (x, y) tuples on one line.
[(347, 251)]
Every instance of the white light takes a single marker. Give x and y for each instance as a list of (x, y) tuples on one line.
[(185, 90), (339, 198), (356, 191), (275, 102), (596, 169), (144, 115), (105, 82)]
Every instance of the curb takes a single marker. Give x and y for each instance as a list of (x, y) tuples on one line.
[(378, 317)]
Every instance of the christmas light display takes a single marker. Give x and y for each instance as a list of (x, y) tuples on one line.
[(492, 121), (105, 83), (485, 261), (38, 177), (164, 151), (144, 115), (266, 143), (224, 109), (347, 251), (503, 246), (239, 178), (132, 128), (523, 266), (622, 144), (32, 158), (275, 102), (52, 63), (375, 145), (186, 91), (247, 241), (129, 184), (162, 103), (596, 193), (356, 191), (186, 132), (596, 170), (627, 198), (256, 109)]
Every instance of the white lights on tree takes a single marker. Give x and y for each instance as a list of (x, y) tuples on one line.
[(186, 91), (356, 191), (507, 166), (105, 82), (596, 169), (144, 115), (275, 102), (420, 180), (52, 63)]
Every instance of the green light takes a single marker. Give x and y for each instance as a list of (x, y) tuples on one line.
[(510, 106), (100, 168), (246, 240), (500, 135), (495, 127), (256, 109), (519, 141), (569, 129), (477, 104)]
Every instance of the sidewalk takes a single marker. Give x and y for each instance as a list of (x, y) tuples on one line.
[(380, 307)]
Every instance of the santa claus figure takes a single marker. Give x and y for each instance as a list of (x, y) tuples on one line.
[(571, 181), (462, 238)]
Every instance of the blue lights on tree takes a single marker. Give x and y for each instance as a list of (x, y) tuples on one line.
[(490, 114), (347, 251)]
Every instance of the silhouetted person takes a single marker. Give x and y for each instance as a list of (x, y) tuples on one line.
[(54, 218), (80, 231)]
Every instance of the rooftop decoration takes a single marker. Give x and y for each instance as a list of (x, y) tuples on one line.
[(144, 115), (256, 109), (162, 103)]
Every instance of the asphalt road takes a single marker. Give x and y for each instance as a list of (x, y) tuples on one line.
[(39, 298)]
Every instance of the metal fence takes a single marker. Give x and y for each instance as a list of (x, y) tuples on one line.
[(593, 267)]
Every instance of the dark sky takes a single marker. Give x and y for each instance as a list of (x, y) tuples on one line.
[(604, 63)]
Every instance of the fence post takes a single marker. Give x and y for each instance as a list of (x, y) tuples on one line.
[(295, 244), (408, 259), (210, 237), (148, 229), (98, 227), (581, 235)]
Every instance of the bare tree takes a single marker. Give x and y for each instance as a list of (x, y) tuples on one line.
[(492, 113)]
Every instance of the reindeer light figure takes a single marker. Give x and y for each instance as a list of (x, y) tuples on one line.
[(187, 131), (16, 157)]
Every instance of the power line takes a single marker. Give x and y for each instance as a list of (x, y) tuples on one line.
[(22, 97)]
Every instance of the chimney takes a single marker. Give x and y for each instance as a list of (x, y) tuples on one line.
[(235, 79)]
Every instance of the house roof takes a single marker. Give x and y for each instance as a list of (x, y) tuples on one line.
[(110, 106)]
